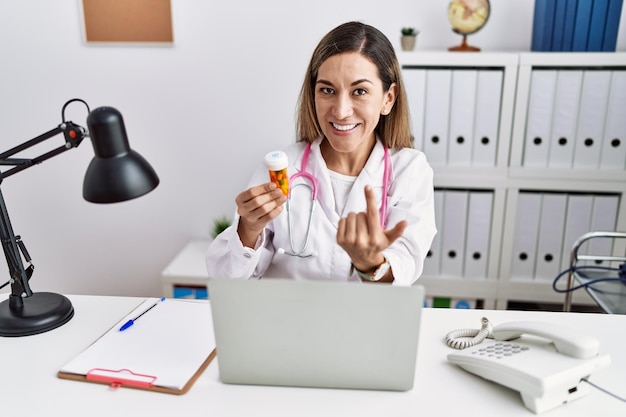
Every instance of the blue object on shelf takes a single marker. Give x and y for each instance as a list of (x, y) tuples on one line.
[(191, 292), (611, 28), (543, 23), (581, 25), (559, 25), (597, 24), (568, 24)]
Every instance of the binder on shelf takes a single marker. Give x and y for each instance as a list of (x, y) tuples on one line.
[(462, 106), (543, 20), (166, 350), (463, 303), (525, 235), (581, 25), (550, 242), (190, 292), (454, 230), (487, 122), (592, 111), (442, 302), (613, 154), (597, 23), (611, 29), (479, 212), (433, 259), (436, 115), (577, 223), (539, 119), (560, 9), (568, 24), (603, 218), (565, 116), (415, 84)]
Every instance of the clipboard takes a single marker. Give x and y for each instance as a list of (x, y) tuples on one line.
[(166, 350)]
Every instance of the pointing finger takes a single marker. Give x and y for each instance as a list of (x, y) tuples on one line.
[(373, 218)]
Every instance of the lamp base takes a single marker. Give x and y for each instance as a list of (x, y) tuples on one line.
[(40, 313)]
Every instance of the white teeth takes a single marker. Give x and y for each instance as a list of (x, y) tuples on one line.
[(344, 127)]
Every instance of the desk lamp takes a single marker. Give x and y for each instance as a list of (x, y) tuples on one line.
[(115, 174)]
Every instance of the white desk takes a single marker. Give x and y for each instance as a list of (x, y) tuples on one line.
[(29, 386)]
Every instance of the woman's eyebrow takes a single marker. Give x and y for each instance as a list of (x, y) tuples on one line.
[(361, 81), (323, 82), (357, 82)]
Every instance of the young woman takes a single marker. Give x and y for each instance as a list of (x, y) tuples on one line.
[(361, 202)]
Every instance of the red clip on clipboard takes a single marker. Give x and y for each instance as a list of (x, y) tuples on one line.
[(123, 377)]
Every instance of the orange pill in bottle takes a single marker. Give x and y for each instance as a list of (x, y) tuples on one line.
[(276, 163)]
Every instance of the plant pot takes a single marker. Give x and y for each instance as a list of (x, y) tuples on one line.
[(408, 42)]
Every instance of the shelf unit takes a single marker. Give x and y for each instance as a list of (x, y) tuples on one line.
[(187, 269), (508, 176)]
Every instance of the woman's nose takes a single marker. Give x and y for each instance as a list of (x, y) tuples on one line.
[(342, 107)]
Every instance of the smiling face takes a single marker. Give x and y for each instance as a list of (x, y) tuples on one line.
[(349, 100)]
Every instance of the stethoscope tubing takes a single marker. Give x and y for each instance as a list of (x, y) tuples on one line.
[(313, 186)]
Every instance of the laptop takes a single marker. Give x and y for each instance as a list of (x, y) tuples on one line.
[(316, 334)]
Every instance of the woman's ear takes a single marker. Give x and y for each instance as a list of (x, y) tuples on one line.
[(389, 99)]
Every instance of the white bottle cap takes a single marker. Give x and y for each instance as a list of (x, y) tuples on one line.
[(276, 160)]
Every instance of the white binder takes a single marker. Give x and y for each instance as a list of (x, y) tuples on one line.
[(478, 233), (454, 230), (462, 106), (550, 242), (613, 155), (486, 124), (438, 86), (525, 235), (415, 84), (433, 260), (577, 223), (593, 101), (603, 218), (564, 118), (539, 118)]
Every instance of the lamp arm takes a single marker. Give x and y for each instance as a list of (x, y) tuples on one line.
[(73, 133), (12, 245)]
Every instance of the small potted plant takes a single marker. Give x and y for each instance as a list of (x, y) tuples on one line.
[(219, 225), (409, 35)]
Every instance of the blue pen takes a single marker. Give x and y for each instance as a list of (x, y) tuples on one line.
[(132, 321)]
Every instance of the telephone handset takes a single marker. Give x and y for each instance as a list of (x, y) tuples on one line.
[(545, 363)]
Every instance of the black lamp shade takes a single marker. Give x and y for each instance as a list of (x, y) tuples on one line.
[(116, 173)]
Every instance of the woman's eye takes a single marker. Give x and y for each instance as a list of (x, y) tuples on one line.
[(326, 90), (360, 92)]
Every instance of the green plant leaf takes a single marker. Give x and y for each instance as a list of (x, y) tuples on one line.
[(219, 225)]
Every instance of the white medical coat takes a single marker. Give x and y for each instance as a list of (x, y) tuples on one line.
[(410, 198)]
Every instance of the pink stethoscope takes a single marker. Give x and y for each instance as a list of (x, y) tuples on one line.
[(313, 187)]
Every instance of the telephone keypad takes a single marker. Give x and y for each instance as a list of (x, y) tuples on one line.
[(500, 350)]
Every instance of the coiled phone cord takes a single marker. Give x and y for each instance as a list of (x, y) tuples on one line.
[(464, 338)]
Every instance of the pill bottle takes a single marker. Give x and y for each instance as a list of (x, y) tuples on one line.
[(276, 163)]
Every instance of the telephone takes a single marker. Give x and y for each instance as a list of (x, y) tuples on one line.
[(545, 362)]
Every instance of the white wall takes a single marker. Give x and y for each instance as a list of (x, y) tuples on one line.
[(203, 112)]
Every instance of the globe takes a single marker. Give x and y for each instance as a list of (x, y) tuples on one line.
[(467, 17)]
